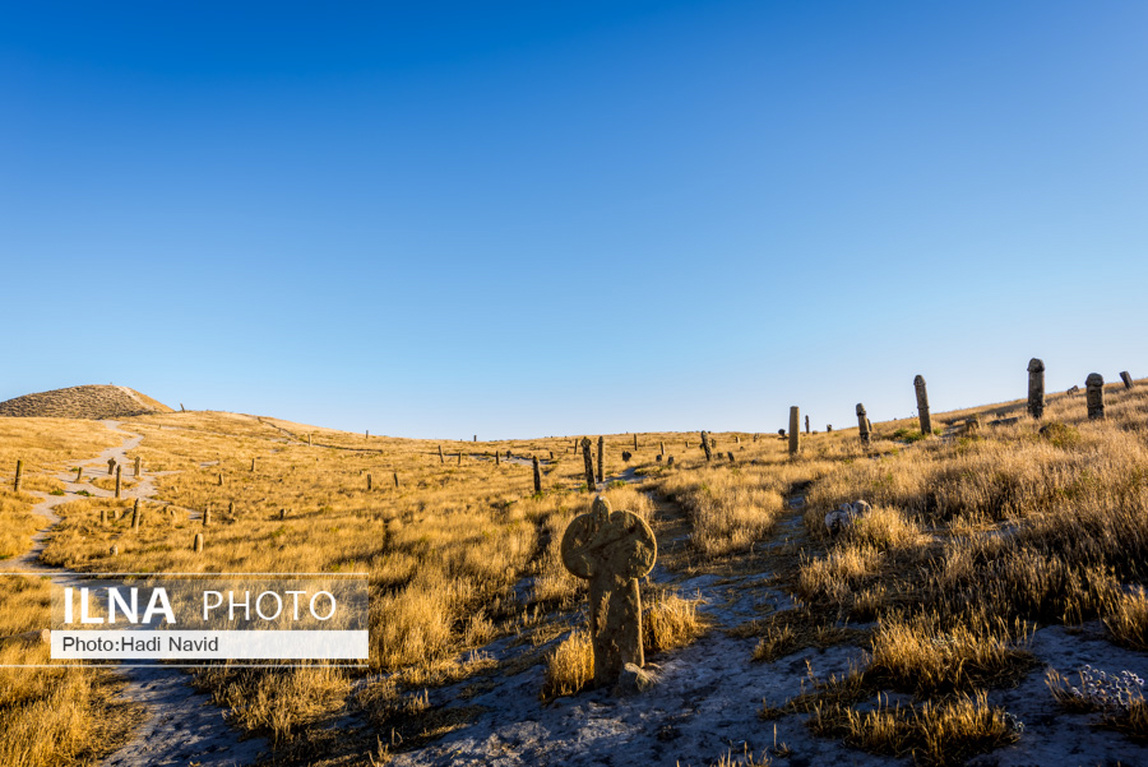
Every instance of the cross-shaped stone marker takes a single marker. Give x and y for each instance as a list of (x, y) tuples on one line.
[(612, 550)]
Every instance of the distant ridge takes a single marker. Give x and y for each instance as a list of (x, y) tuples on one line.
[(95, 402)]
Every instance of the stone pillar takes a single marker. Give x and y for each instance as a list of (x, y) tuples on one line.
[(368, 483), (863, 424), (923, 406), (1126, 378), (601, 458), (589, 461), (460, 458), (206, 516), (253, 464), (807, 424), (111, 466), (635, 442), (137, 467), (611, 550), (794, 430), (661, 448), (1094, 386), (441, 458), (1036, 388), (537, 477), (706, 446), (282, 513), (103, 517), (219, 479), (136, 515), (308, 439), (79, 474), (396, 479), (19, 472), (497, 458), (119, 471), (828, 428), (197, 543)]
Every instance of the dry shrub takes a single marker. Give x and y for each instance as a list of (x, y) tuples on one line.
[(945, 732), (570, 668), (729, 511), (842, 571), (916, 655), (277, 701), (885, 527), (1126, 616), (671, 622)]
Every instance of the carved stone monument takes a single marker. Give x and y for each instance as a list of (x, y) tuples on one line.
[(794, 435), (923, 406), (1094, 392), (1036, 388), (612, 550), (863, 424)]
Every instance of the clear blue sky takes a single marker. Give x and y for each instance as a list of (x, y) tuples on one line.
[(516, 219)]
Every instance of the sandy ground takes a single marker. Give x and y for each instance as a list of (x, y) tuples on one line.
[(182, 726)]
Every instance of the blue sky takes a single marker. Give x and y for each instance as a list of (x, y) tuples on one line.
[(516, 219)]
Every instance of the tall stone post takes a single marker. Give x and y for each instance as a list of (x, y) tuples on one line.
[(794, 430), (537, 477), (460, 458), (807, 424), (137, 467), (79, 474), (119, 472), (923, 406), (206, 516), (635, 442), (1126, 378), (253, 464), (441, 458), (368, 483), (1094, 386), (661, 448), (601, 458), (863, 424), (308, 439), (111, 466), (706, 446), (197, 543), (136, 515), (396, 479), (19, 472), (1036, 388), (589, 461), (497, 458)]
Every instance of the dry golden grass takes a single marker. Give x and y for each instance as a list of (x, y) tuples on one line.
[(51, 716), (1009, 522), (570, 668)]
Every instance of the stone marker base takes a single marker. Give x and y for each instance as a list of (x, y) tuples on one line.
[(635, 679)]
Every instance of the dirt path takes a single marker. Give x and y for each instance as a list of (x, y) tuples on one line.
[(182, 726)]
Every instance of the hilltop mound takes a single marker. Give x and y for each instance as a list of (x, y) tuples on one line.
[(94, 402)]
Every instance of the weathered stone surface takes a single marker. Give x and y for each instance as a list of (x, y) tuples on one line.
[(706, 447), (670, 461), (1036, 388), (794, 430), (634, 679), (1074, 389), (923, 406), (601, 457), (589, 461), (627, 455), (611, 550), (537, 477), (863, 424), (1126, 377), (1094, 391)]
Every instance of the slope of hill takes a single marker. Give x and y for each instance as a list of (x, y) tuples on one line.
[(95, 401)]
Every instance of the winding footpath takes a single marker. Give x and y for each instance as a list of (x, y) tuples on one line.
[(182, 727)]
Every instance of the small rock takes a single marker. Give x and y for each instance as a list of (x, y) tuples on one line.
[(634, 679)]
